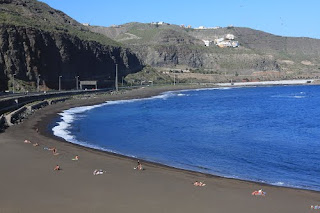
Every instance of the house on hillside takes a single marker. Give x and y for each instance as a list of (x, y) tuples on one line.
[(230, 37), (160, 23), (201, 28), (207, 43), (226, 41)]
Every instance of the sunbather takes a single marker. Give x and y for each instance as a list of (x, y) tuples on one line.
[(139, 166), (57, 168), (27, 141), (54, 151), (197, 183), (259, 193), (76, 158), (98, 172), (35, 144)]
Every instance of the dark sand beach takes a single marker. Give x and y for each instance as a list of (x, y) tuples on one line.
[(29, 183)]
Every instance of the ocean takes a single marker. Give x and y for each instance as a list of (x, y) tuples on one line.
[(262, 134)]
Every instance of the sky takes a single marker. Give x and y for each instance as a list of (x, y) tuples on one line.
[(295, 18)]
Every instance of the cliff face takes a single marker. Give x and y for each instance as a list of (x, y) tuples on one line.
[(228, 61), (30, 52)]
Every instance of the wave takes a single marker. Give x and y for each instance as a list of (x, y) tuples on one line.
[(69, 115), (289, 96), (67, 118)]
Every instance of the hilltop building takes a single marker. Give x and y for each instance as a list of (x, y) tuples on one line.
[(226, 41), (230, 37), (201, 28), (160, 23), (207, 43)]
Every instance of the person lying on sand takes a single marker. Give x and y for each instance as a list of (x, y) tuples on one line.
[(259, 193), (139, 166), (27, 141), (197, 183), (35, 144), (98, 172), (57, 168), (76, 158)]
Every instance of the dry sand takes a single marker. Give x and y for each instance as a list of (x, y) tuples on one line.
[(29, 183)]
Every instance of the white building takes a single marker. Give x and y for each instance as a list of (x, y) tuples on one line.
[(207, 43), (218, 40), (201, 27), (230, 36)]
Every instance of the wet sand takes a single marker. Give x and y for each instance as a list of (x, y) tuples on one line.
[(29, 183)]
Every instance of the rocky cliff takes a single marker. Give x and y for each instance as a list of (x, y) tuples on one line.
[(29, 52), (38, 43)]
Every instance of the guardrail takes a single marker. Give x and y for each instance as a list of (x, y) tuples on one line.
[(10, 103)]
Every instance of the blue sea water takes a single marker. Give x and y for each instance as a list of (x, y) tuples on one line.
[(263, 134)]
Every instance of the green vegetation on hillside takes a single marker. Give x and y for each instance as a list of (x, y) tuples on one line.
[(148, 75), (31, 13)]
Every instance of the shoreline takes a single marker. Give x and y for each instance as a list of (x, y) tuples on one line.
[(110, 152), (157, 174), (50, 134)]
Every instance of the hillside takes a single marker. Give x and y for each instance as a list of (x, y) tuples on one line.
[(39, 43), (173, 47)]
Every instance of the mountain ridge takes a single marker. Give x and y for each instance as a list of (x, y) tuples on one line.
[(170, 46)]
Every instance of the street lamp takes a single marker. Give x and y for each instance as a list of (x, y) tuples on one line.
[(38, 82), (77, 84), (60, 82), (13, 84), (116, 78)]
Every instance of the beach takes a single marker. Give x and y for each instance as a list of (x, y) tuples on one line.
[(29, 183)]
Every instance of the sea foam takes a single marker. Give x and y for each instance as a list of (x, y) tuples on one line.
[(68, 116)]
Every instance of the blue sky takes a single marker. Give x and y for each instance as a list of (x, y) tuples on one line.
[(279, 17)]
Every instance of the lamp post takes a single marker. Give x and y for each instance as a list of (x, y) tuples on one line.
[(116, 78), (77, 82), (13, 84), (60, 82), (38, 83)]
